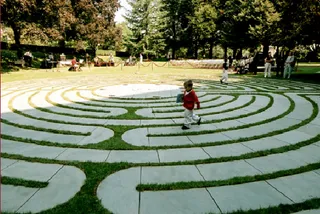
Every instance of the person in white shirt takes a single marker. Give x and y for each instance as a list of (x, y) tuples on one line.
[(141, 58), (288, 65), (268, 60), (225, 68)]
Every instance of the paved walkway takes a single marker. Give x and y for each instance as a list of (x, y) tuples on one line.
[(43, 119)]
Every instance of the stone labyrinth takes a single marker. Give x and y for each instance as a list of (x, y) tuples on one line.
[(266, 131)]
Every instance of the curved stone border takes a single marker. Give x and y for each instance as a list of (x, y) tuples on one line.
[(64, 183), (243, 196)]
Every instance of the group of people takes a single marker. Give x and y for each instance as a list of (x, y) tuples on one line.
[(288, 65)]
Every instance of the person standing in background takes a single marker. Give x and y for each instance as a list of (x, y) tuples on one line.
[(141, 58), (267, 66), (288, 66)]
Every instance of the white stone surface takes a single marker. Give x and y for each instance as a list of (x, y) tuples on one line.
[(6, 163), (135, 156), (170, 174), (299, 187), (175, 155), (74, 154), (180, 202), (223, 171), (64, 183), (315, 211), (123, 183), (247, 196)]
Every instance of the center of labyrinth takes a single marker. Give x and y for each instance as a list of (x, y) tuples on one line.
[(122, 149)]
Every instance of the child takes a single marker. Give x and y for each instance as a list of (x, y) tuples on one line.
[(189, 99), (224, 78)]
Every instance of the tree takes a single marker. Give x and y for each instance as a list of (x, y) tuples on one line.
[(144, 23), (17, 14), (203, 24)]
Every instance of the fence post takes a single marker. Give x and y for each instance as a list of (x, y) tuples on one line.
[(138, 66)]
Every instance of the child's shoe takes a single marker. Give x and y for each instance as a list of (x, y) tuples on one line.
[(199, 121), (185, 127)]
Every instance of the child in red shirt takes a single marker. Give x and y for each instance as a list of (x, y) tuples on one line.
[(189, 100)]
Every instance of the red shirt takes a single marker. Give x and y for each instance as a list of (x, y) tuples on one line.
[(73, 62), (190, 99)]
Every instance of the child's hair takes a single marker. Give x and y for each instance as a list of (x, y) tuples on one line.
[(188, 83)]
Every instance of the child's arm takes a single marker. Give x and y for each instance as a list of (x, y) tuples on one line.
[(196, 100)]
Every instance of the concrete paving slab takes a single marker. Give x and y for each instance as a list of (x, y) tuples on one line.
[(293, 137), (208, 138), (308, 154), (170, 174), (298, 187), (175, 155), (227, 150), (7, 162), (136, 136), (98, 135), (13, 197), (310, 129), (90, 155), (317, 171), (31, 171), (62, 187), (264, 144), (228, 170), (133, 156), (30, 150), (247, 196), (178, 202), (315, 211), (169, 141), (274, 163), (123, 183)]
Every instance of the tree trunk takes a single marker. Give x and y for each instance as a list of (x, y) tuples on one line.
[(174, 41), (234, 54), (211, 49), (62, 45), (225, 49), (265, 48), (196, 50), (17, 37)]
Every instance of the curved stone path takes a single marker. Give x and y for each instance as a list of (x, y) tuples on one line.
[(244, 119)]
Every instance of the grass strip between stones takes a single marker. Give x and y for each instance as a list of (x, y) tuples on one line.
[(179, 110), (47, 98), (249, 155), (22, 182), (120, 99), (117, 143), (64, 132), (283, 208), (60, 113), (173, 103), (290, 109), (231, 181)]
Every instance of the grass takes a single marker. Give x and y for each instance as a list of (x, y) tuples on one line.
[(231, 181), (86, 201), (22, 182)]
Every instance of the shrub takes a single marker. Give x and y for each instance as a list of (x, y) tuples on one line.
[(8, 56)]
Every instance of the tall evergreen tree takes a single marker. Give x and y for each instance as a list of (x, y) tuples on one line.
[(144, 23)]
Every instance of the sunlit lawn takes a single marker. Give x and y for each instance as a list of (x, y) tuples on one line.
[(145, 74)]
